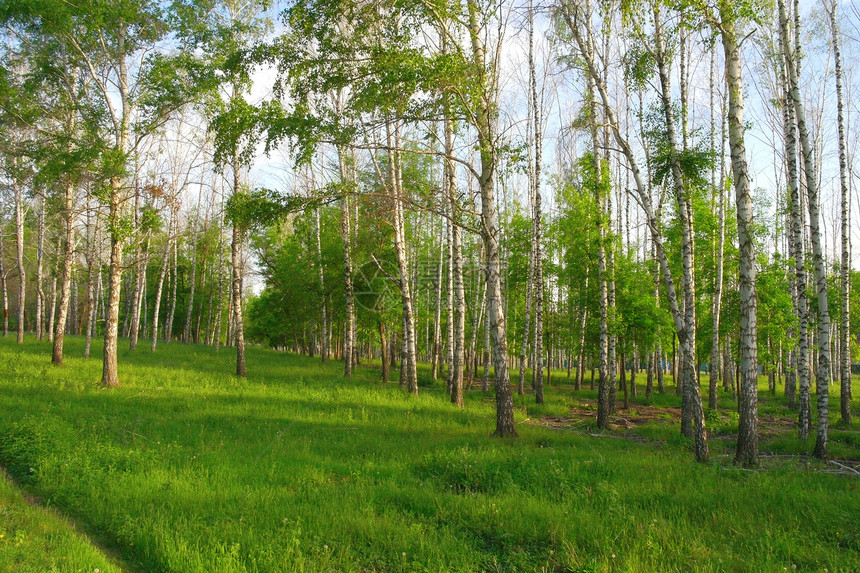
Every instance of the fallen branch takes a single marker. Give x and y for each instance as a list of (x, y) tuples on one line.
[(133, 433), (844, 467)]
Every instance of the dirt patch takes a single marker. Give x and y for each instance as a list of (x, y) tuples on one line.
[(635, 415), (772, 426)]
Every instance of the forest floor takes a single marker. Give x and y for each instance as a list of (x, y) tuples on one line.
[(186, 468)]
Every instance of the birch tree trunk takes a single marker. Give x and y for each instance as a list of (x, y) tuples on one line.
[(192, 287), (133, 317), (716, 308), (823, 373), (110, 376), (583, 322), (139, 296), (524, 351), (747, 447), (436, 356), (692, 414), (40, 257), (603, 408), (449, 334), (537, 380), (52, 312), (410, 359), (236, 264), (845, 267), (18, 189), (348, 342), (323, 309), (68, 262), (93, 272), (485, 124), (5, 293), (219, 312), (159, 288), (458, 325), (174, 277), (797, 245)]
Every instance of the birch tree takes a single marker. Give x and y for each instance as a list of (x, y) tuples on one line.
[(824, 357), (845, 262)]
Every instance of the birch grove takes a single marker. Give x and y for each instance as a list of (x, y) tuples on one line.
[(471, 195)]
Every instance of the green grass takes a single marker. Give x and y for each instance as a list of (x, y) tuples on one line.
[(186, 468), (35, 539)]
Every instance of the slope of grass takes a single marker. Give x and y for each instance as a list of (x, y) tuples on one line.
[(34, 539), (186, 468)]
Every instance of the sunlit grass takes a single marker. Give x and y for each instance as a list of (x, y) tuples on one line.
[(35, 539), (186, 468)]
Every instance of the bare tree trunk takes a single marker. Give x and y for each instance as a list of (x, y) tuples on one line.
[(747, 447), (691, 411), (583, 322), (485, 379), (409, 366), (139, 296), (623, 364), (716, 307), (348, 343), (537, 380), (449, 334), (158, 290), (220, 307), (93, 272), (40, 257), (384, 346), (68, 262), (133, 317), (174, 276), (19, 244), (823, 374), (524, 351), (799, 256), (192, 287), (612, 357), (845, 267), (603, 390), (3, 285), (485, 126), (323, 309), (634, 369), (52, 312), (236, 263), (110, 376), (436, 356), (649, 374), (457, 330)]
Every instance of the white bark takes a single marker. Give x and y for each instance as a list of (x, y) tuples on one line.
[(823, 373), (845, 266), (747, 446)]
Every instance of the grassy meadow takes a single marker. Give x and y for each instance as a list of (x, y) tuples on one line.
[(186, 468)]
